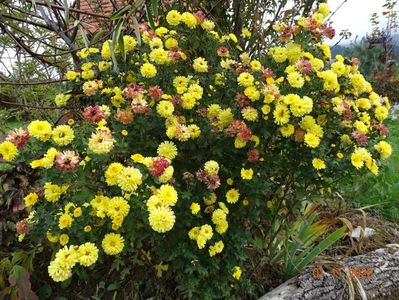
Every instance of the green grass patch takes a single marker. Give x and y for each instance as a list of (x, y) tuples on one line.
[(382, 189)]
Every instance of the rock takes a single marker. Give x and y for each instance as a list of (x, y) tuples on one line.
[(374, 275), (367, 232)]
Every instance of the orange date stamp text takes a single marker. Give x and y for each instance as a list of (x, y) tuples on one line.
[(354, 272)]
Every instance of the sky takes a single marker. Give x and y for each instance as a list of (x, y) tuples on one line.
[(355, 16)]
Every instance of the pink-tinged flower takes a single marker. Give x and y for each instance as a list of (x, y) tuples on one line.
[(22, 226), (245, 134), (240, 69), (286, 33), (267, 72), (93, 114), (317, 33), (91, 87), (360, 137), (242, 100), (304, 66), (155, 92), (158, 166), (139, 108), (133, 91), (240, 129), (201, 175), (328, 31), (182, 133), (235, 126), (176, 100), (355, 61), (312, 24), (213, 182), (347, 113), (382, 129), (188, 176), (18, 137), (296, 29), (39, 191), (253, 155), (223, 52), (272, 89), (67, 161), (200, 16), (101, 141), (143, 27), (174, 55), (203, 112), (125, 116)]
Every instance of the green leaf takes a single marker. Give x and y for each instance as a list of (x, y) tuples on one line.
[(120, 12), (97, 36), (66, 9), (65, 284), (155, 8), (149, 17), (122, 47), (137, 30), (17, 258), (114, 296), (112, 287), (45, 291), (84, 36), (311, 255), (115, 39), (258, 244), (137, 4)]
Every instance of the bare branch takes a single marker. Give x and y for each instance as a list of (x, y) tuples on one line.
[(83, 12), (31, 106)]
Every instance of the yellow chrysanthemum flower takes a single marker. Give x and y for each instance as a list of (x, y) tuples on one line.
[(281, 114), (189, 19), (200, 65), (384, 149), (173, 18), (195, 208), (87, 254), (318, 164), (211, 167), (237, 273), (148, 70), (8, 150), (287, 130), (31, 199), (40, 130), (165, 108), (247, 174), (112, 172), (245, 79), (167, 149), (113, 243), (59, 272), (65, 221), (63, 135), (162, 219), (53, 192), (216, 248), (311, 140), (232, 196), (129, 179), (168, 195)]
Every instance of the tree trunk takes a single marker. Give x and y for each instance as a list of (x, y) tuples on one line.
[(374, 275)]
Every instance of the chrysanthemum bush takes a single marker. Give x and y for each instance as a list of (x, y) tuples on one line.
[(182, 146)]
